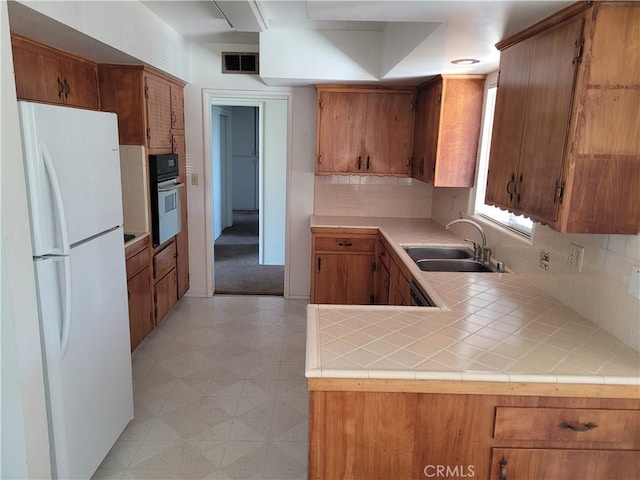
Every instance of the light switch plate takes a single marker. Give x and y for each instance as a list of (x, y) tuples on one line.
[(634, 283), (576, 255)]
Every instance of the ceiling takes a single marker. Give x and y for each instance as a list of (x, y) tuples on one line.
[(419, 37), (306, 41)]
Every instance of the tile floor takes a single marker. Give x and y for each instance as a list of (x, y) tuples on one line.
[(220, 393)]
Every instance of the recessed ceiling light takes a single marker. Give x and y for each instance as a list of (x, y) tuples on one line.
[(465, 61)]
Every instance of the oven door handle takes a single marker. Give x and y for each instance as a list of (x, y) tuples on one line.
[(175, 186)]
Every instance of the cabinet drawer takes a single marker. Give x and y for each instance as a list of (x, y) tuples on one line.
[(137, 262), (346, 244), (568, 424), (164, 261)]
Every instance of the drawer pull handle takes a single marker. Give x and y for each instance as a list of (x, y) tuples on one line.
[(345, 244), (578, 428), (503, 469)]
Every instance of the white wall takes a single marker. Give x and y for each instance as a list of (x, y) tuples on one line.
[(598, 293), (24, 437), (206, 75), (125, 25), (328, 55)]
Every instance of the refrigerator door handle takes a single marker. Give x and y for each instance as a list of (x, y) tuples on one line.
[(65, 334), (57, 197)]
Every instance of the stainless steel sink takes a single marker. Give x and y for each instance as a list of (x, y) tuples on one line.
[(424, 253), (452, 265)]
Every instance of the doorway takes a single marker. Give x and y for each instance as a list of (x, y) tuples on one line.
[(247, 197)]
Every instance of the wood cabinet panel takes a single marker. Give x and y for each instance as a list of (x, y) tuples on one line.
[(345, 244), (568, 425), (164, 260), (140, 318), (364, 130), (165, 295), (182, 239), (546, 464), (341, 127), (388, 134), (158, 102), (45, 74), (177, 107), (139, 291), (374, 434), (565, 149), (447, 129)]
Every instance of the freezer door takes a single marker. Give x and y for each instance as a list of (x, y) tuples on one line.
[(73, 174), (89, 382)]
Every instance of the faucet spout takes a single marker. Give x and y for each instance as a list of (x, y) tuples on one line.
[(485, 253)]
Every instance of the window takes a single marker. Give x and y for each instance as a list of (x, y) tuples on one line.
[(516, 223)]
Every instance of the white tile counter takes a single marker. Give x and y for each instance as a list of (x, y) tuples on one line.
[(487, 327)]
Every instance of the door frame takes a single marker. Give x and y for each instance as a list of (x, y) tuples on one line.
[(249, 98)]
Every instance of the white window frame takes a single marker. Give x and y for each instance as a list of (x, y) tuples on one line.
[(501, 218)]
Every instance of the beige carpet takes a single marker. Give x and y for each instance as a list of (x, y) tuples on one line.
[(236, 260)]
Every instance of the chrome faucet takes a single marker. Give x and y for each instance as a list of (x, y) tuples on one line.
[(481, 253)]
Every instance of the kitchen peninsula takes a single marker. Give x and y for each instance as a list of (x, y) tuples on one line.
[(499, 378)]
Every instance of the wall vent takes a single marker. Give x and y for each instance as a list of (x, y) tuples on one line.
[(240, 62)]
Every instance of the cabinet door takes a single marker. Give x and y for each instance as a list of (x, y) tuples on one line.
[(433, 98), (331, 279), (177, 107), (80, 84), (389, 133), (341, 127), (381, 285), (343, 279), (546, 122), (158, 99), (182, 239), (508, 124), (37, 76), (165, 295), (419, 136), (140, 318), (546, 464)]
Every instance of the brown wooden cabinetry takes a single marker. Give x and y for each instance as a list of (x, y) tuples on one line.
[(381, 277), (364, 431), (447, 129), (139, 290), (343, 267), (44, 74), (364, 130), (565, 148), (165, 291), (150, 108)]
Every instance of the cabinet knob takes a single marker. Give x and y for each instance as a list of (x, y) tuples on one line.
[(67, 89), (503, 469), (367, 162), (359, 164), (345, 244), (60, 87)]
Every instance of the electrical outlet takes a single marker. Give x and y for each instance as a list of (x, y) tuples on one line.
[(544, 259), (634, 283), (576, 256)]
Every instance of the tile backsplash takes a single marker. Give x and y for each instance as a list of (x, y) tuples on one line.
[(599, 292), (372, 196)]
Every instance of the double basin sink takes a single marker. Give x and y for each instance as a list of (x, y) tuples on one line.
[(446, 259)]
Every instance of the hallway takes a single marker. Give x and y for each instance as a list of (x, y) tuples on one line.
[(236, 265), (220, 393)]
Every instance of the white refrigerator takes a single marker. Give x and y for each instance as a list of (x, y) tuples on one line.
[(72, 167)]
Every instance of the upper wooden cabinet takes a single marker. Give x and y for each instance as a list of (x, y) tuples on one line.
[(44, 74), (447, 129), (565, 149), (364, 130)]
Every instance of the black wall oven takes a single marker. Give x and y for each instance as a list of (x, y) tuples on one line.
[(165, 197)]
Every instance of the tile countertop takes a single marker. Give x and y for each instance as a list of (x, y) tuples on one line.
[(487, 327)]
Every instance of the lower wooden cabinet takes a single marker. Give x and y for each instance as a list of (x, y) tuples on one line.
[(528, 463), (165, 289), (139, 291), (357, 431), (343, 268)]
